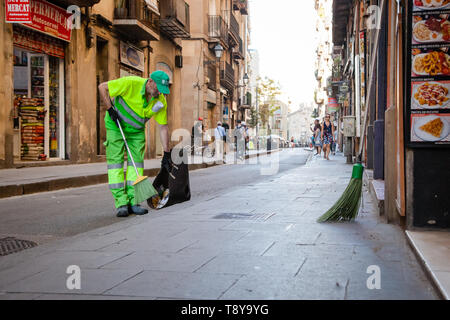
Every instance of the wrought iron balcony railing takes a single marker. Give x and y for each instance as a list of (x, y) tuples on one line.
[(227, 75), (234, 28), (175, 19), (218, 29), (137, 20), (238, 53)]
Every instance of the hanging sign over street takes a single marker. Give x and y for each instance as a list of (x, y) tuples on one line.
[(332, 105)]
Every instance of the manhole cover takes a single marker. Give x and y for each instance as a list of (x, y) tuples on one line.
[(11, 245), (244, 216)]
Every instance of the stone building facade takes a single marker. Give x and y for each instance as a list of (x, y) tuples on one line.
[(213, 90), (50, 110), (324, 49)]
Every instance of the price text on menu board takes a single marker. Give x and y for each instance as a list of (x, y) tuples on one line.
[(428, 112)]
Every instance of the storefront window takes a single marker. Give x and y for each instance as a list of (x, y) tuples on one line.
[(38, 81)]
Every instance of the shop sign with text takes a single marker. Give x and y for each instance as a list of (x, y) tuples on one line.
[(49, 19), (18, 11)]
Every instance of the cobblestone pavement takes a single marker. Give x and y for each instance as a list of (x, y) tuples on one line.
[(258, 241)]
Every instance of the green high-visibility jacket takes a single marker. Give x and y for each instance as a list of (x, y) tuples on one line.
[(132, 106)]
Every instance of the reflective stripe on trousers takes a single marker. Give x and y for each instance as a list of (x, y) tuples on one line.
[(115, 149)]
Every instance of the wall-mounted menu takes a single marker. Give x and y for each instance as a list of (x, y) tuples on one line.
[(427, 113)]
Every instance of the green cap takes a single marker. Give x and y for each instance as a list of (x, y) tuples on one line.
[(162, 81)]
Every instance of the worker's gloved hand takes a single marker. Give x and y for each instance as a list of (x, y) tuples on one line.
[(166, 161), (113, 114)]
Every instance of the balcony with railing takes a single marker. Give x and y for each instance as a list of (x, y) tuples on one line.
[(218, 29), (175, 19), (137, 19), (238, 52), (241, 5), (233, 28), (227, 75)]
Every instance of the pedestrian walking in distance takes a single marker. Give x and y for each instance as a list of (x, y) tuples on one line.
[(239, 140), (246, 136), (327, 136), (136, 100), (226, 128), (317, 141), (196, 138), (219, 134)]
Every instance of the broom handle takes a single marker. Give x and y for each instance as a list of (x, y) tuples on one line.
[(128, 148)]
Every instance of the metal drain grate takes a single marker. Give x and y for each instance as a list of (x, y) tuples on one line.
[(11, 245), (243, 216)]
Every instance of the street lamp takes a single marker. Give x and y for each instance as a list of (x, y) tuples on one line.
[(218, 50), (246, 79)]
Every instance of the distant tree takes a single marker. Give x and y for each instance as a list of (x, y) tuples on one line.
[(253, 121), (267, 93)]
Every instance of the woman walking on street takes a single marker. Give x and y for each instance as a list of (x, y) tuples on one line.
[(327, 136), (317, 141)]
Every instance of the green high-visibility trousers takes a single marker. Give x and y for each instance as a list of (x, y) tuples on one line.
[(123, 192)]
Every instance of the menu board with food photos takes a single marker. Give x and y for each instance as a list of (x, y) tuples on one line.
[(427, 116)]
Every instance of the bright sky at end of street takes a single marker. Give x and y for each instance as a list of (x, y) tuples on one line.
[(284, 34)]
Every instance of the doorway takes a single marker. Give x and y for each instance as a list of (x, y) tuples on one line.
[(101, 76)]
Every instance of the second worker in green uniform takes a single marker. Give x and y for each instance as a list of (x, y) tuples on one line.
[(136, 100)]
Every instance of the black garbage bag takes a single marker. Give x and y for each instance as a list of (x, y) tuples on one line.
[(172, 184)]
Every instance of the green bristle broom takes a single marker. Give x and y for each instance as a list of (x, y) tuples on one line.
[(143, 188), (347, 207)]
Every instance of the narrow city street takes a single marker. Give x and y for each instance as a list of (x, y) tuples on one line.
[(242, 236), (194, 151)]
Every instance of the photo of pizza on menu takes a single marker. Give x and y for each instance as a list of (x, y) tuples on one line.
[(430, 127)]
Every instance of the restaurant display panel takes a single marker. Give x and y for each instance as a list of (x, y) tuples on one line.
[(427, 107)]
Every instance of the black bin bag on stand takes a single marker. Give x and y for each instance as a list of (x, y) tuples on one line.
[(172, 184)]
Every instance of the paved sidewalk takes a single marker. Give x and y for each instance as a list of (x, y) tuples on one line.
[(15, 182), (433, 250), (260, 241)]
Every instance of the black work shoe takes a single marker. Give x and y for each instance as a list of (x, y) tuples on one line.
[(122, 212), (137, 210)]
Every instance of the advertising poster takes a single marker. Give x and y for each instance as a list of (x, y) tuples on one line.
[(427, 116), (362, 61)]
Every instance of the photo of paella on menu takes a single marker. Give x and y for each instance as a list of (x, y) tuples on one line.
[(428, 111)]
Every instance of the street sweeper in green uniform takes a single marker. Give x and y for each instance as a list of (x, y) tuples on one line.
[(131, 102)]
